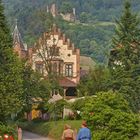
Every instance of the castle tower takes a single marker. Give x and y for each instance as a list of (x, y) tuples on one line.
[(74, 13), (18, 45), (17, 37), (47, 9), (53, 10)]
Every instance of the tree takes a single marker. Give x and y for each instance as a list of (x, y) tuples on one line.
[(77, 107), (109, 117), (56, 108), (84, 46), (97, 80), (127, 27), (36, 90), (11, 89), (48, 51), (84, 17), (125, 59), (66, 7)]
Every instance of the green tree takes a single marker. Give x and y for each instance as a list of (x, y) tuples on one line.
[(66, 7), (97, 80), (84, 17), (77, 106), (109, 117), (56, 108), (36, 89), (84, 46), (11, 89), (125, 59)]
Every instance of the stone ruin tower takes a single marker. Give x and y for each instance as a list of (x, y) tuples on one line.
[(68, 16), (53, 10)]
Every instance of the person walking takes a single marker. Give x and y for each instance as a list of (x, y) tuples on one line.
[(19, 130), (84, 132), (68, 133)]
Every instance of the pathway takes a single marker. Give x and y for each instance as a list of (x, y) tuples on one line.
[(32, 136)]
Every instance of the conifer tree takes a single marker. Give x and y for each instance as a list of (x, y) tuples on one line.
[(126, 57), (10, 73)]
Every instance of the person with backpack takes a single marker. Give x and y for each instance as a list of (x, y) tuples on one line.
[(68, 133)]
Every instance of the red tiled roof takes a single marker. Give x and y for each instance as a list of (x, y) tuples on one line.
[(65, 82)]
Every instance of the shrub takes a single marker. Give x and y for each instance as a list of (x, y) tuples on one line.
[(109, 117), (10, 131), (77, 107)]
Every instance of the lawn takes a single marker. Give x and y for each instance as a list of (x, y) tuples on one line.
[(52, 129)]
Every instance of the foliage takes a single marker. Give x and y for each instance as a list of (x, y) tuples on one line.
[(104, 10), (78, 104), (34, 84), (97, 80), (125, 60), (77, 107), (93, 40), (85, 17), (33, 21), (109, 117), (4, 129), (56, 109), (50, 129), (11, 89), (36, 89), (66, 7)]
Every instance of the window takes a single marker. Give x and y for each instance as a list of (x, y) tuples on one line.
[(60, 68), (54, 51), (69, 70), (57, 51), (55, 68), (39, 68)]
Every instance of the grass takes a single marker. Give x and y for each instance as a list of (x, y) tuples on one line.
[(51, 129), (54, 129), (98, 23), (137, 138)]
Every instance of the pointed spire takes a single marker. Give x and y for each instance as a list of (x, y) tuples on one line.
[(47, 9), (17, 37), (74, 11)]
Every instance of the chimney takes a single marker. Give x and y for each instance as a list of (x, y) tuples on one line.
[(30, 52), (59, 33), (73, 46), (54, 28), (68, 42), (74, 13), (47, 9), (64, 38)]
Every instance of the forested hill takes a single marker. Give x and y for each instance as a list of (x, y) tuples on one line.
[(104, 10), (92, 33)]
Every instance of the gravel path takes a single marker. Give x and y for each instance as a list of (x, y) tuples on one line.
[(32, 136)]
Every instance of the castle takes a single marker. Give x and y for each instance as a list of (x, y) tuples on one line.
[(66, 61), (67, 16)]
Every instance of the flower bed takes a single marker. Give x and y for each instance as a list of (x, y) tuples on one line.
[(7, 133)]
